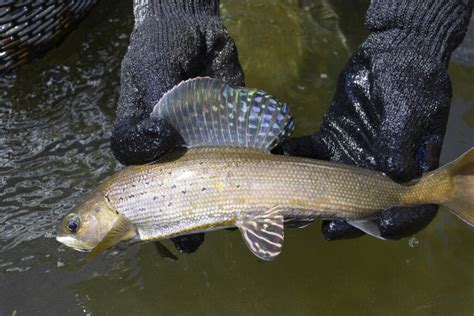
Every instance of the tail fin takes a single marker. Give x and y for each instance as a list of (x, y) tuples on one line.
[(461, 199)]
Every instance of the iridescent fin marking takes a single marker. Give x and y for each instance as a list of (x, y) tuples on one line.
[(263, 233), (368, 227), (123, 229), (209, 112)]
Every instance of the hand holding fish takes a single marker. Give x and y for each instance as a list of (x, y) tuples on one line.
[(391, 106), (226, 177), (171, 41), (148, 71)]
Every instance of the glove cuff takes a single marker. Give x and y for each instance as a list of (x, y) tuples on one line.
[(188, 7), (433, 27)]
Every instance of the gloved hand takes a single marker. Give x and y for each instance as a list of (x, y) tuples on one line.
[(172, 40), (391, 105)]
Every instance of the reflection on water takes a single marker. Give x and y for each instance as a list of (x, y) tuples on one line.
[(55, 121)]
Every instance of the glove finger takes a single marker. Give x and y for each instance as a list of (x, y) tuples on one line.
[(400, 222), (156, 137), (188, 243), (397, 165), (309, 146), (412, 110), (337, 230), (222, 58), (394, 224)]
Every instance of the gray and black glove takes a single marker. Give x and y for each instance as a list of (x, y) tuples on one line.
[(391, 105), (172, 40)]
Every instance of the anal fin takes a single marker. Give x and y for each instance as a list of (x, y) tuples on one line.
[(163, 251), (367, 226), (263, 232)]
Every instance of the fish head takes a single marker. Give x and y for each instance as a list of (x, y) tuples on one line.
[(87, 224)]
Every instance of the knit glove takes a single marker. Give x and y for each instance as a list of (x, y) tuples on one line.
[(391, 106)]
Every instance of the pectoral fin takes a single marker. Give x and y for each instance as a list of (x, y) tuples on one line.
[(123, 229), (263, 232)]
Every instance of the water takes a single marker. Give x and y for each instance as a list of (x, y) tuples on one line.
[(55, 122)]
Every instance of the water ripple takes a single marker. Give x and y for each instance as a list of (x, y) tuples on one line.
[(55, 123)]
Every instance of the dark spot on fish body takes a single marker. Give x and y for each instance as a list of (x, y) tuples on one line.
[(169, 204), (238, 186), (131, 196), (155, 198), (121, 199), (97, 209), (203, 189), (184, 191), (141, 209)]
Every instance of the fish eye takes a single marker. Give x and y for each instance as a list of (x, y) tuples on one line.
[(73, 224)]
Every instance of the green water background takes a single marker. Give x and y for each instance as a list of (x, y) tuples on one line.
[(56, 118)]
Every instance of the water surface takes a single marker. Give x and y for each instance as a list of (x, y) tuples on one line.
[(55, 122)]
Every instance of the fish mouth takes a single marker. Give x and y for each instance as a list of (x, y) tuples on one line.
[(72, 243)]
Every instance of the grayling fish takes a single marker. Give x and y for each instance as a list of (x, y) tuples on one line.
[(226, 177)]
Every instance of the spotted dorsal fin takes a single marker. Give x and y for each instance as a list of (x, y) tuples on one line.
[(263, 232), (209, 112)]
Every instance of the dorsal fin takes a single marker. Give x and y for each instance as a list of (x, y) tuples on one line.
[(209, 112)]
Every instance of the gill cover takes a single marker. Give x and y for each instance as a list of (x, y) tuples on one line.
[(123, 229), (209, 112)]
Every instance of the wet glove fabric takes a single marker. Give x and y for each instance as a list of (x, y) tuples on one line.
[(391, 105), (172, 40)]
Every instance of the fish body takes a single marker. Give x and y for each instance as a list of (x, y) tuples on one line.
[(210, 188), (228, 178)]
